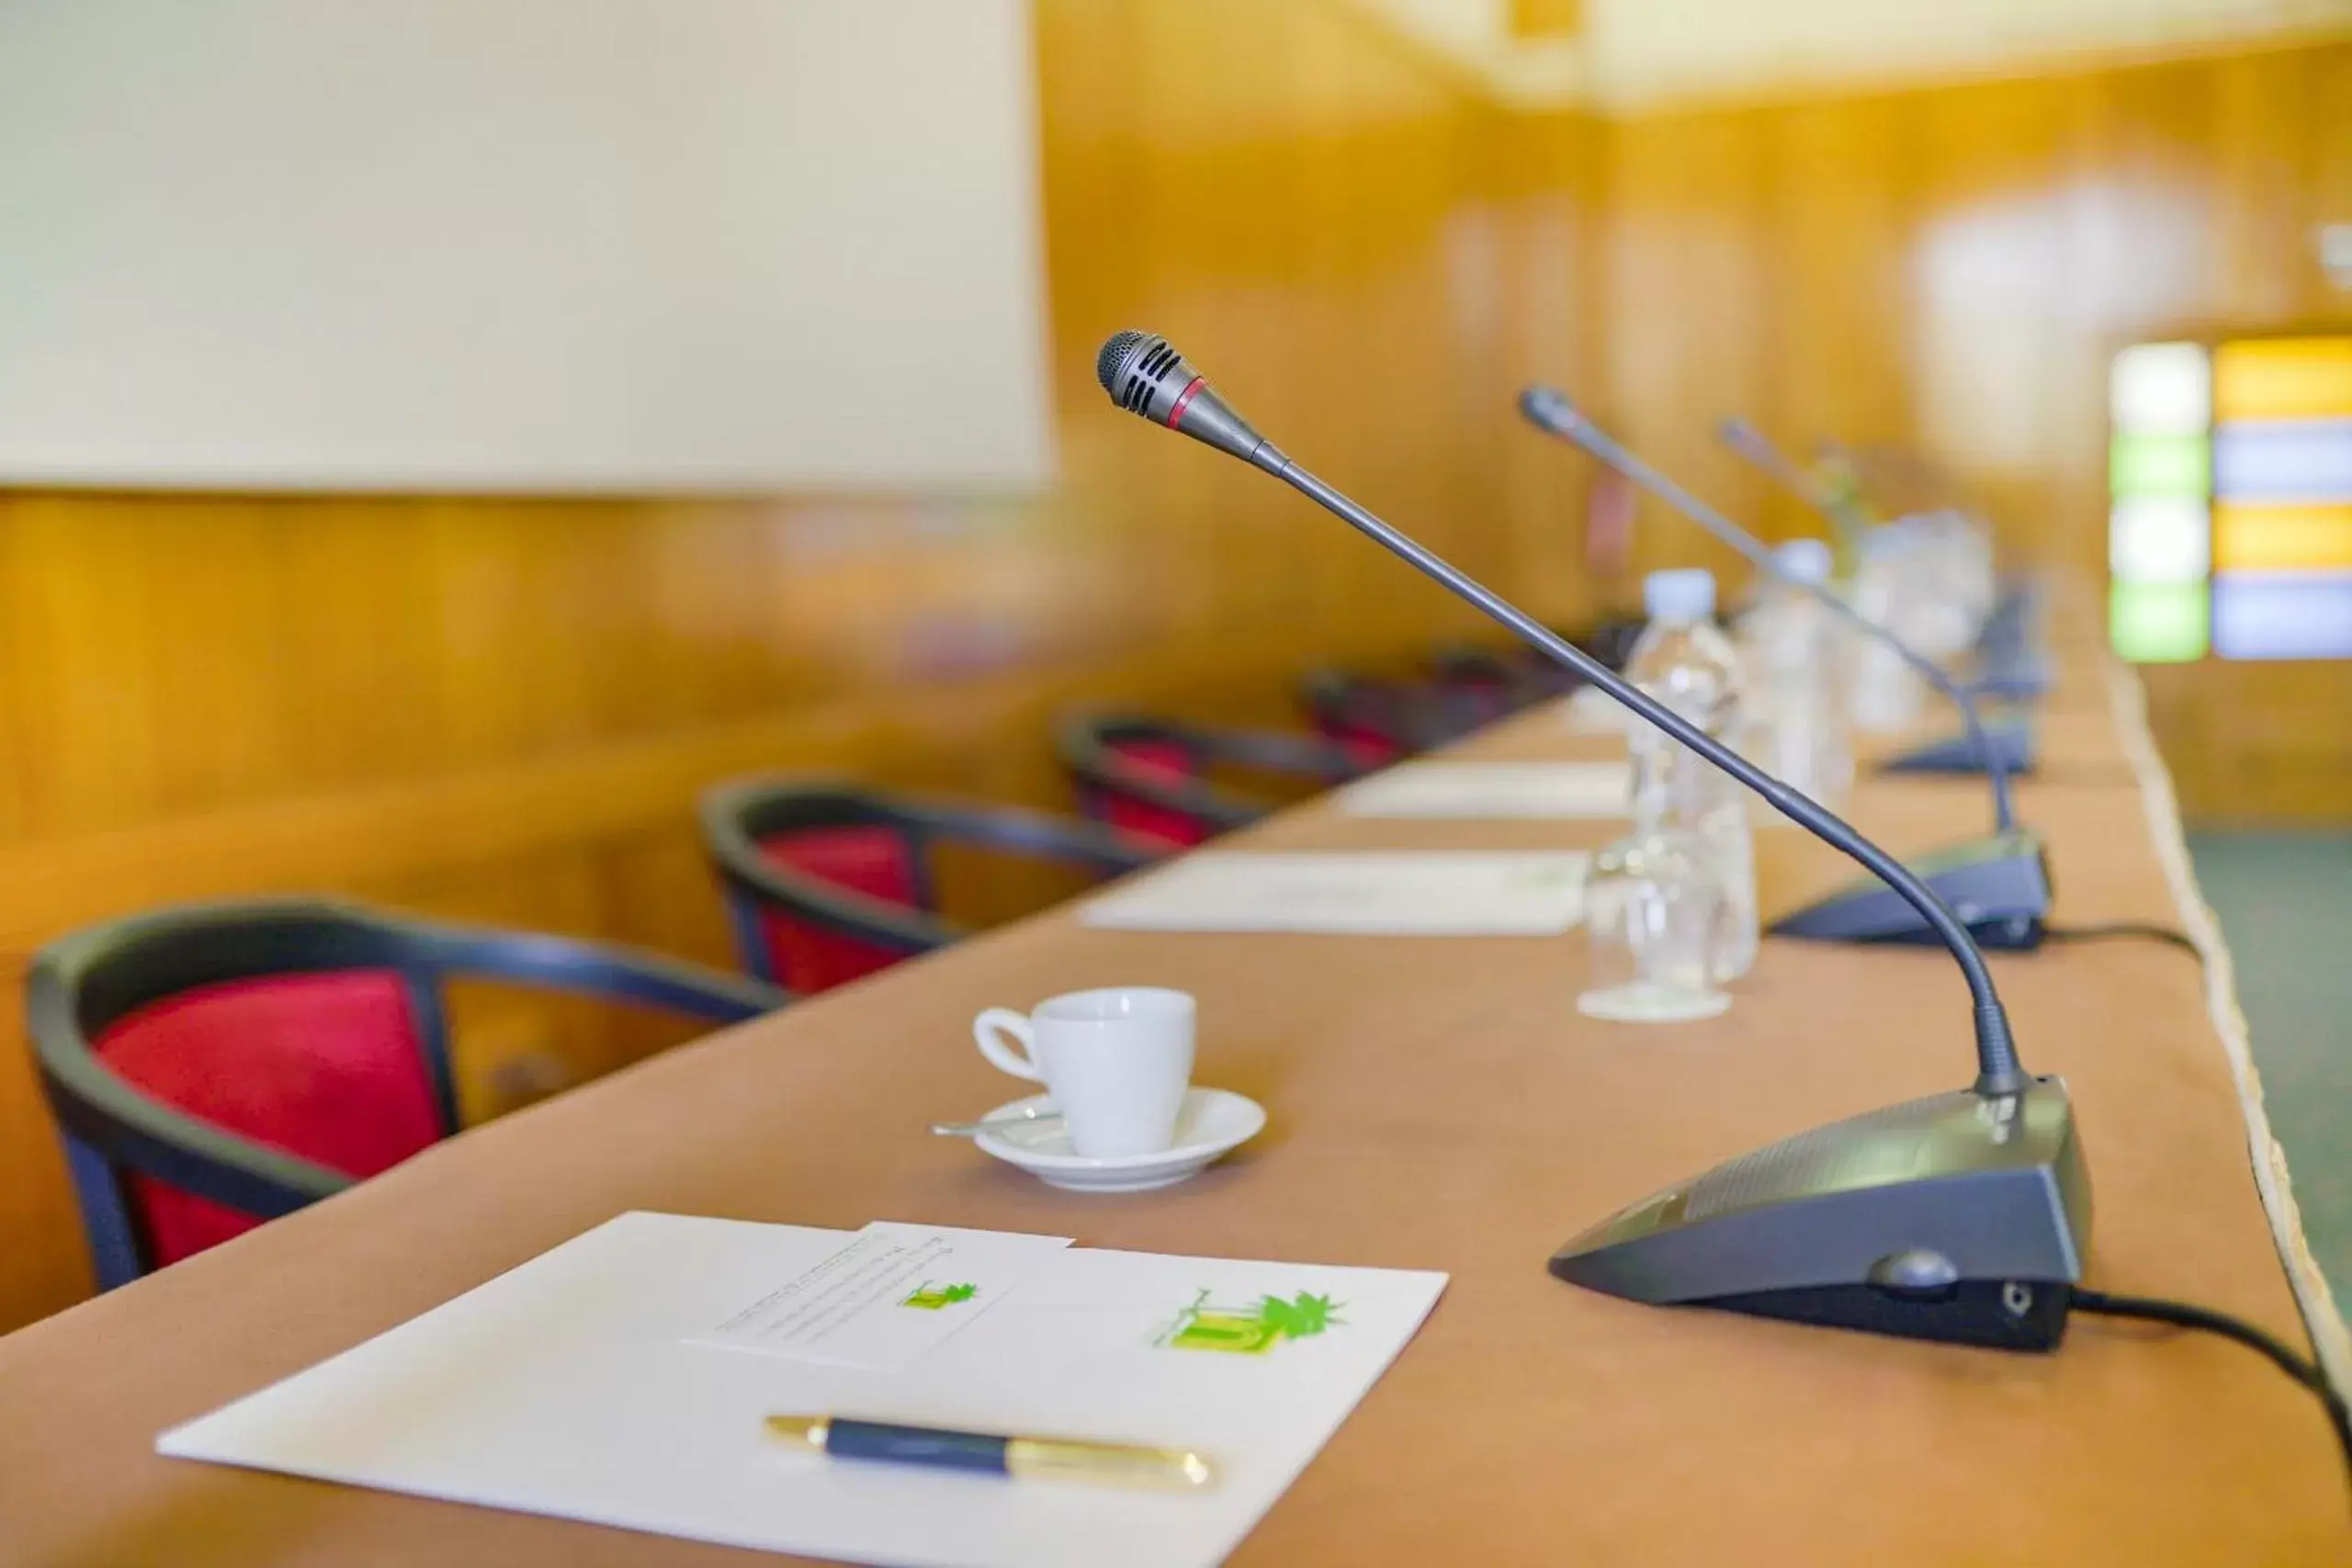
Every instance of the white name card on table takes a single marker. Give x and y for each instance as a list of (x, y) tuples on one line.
[(571, 1387), (1583, 792), (1354, 893), (892, 1293)]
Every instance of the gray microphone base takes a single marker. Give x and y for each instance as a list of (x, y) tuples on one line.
[(1999, 887), (2011, 741), (1960, 1217), (2012, 680)]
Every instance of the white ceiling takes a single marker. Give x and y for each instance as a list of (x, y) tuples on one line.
[(1643, 52)]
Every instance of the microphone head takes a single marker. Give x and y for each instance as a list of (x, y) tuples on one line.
[(1146, 375), (1550, 410), (1143, 374)]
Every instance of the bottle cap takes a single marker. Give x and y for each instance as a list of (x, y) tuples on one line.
[(1688, 595), (1803, 560)]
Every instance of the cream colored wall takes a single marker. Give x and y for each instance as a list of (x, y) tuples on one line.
[(1649, 54), (1655, 52)]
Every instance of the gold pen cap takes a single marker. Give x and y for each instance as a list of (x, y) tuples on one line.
[(1110, 1464)]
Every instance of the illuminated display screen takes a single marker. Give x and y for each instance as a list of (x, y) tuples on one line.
[(2230, 489)]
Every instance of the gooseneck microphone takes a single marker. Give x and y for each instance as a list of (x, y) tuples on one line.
[(1750, 443), (1551, 411), (1962, 1217), (2005, 643)]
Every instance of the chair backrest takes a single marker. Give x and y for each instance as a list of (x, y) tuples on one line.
[(1151, 777), (215, 1065), (1487, 685), (1381, 721), (820, 879), (330, 1066), (1164, 757), (876, 858), (827, 881), (312, 1030)]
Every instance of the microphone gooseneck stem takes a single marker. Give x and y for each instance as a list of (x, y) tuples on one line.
[(1843, 513), (1585, 434), (1997, 1069)]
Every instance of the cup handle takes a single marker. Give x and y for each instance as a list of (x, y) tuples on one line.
[(985, 1033)]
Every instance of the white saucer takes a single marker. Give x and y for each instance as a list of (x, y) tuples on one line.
[(1211, 1124)]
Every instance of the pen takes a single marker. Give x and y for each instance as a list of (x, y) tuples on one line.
[(1068, 1459)]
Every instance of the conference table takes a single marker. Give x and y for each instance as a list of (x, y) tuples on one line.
[(1435, 1104)]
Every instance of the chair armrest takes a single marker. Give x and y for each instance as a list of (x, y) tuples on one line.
[(589, 968), (1306, 756), (1035, 833)]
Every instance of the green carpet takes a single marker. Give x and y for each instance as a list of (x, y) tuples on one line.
[(2285, 903)]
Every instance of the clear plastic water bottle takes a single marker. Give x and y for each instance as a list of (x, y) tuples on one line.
[(1653, 911), (1884, 695), (1685, 662), (1793, 645)]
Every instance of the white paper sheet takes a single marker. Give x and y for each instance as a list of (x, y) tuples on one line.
[(1522, 791), (888, 1294), (1354, 893), (565, 1387)]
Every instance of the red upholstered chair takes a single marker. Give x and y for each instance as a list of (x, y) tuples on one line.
[(215, 1065), (1381, 720), (827, 882), (1156, 778)]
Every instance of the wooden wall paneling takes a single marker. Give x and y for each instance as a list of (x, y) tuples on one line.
[(1839, 339), (1688, 284), (1988, 289), (1948, 269), (1550, 303)]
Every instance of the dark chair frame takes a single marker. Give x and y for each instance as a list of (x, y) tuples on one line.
[(81, 984), (1425, 714), (1086, 743), (736, 817), (1515, 678)]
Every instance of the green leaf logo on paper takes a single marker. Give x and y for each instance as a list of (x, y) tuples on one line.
[(1251, 1330), (929, 1297)]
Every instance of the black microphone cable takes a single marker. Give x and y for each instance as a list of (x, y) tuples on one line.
[(2180, 1315), (2136, 930)]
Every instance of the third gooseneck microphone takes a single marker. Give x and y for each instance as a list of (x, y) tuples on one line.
[(1551, 411), (1147, 378)]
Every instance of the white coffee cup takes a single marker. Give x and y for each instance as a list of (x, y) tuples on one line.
[(1116, 1061)]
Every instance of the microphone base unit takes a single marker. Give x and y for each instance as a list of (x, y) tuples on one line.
[(1991, 1315), (2011, 664), (1962, 1218), (2012, 743), (2018, 681), (1999, 887)]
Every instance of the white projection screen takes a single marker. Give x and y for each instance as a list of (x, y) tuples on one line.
[(549, 246)]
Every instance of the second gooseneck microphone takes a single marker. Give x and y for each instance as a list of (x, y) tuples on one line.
[(1147, 377), (2000, 882)]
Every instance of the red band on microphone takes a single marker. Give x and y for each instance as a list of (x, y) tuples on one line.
[(1184, 397)]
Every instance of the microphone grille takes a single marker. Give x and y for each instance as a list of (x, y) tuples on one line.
[(1117, 350)]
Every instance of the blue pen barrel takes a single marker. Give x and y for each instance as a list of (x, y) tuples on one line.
[(915, 1445)]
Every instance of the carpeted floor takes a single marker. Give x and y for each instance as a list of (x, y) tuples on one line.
[(2285, 903)]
